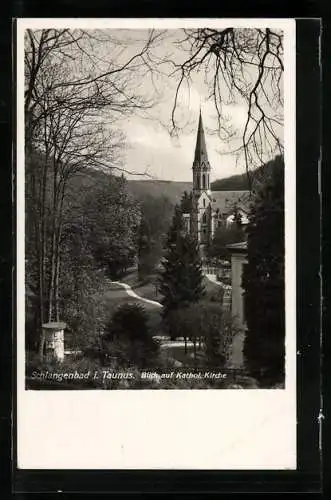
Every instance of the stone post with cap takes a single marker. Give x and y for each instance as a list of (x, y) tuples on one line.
[(52, 340)]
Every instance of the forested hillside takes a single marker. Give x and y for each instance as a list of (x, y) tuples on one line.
[(174, 190), (140, 189), (159, 188), (241, 182)]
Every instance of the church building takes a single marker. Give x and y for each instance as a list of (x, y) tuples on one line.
[(210, 208)]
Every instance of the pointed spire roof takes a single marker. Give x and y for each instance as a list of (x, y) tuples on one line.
[(200, 154)]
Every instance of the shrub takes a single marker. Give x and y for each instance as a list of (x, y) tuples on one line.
[(128, 338), (206, 323), (84, 308)]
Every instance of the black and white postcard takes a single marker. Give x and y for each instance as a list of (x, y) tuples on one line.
[(156, 283)]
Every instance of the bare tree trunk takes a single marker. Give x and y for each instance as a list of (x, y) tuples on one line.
[(55, 222), (58, 255), (41, 285), (43, 226), (52, 280), (33, 174), (56, 293), (43, 240)]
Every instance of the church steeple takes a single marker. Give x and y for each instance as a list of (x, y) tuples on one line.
[(201, 165), (200, 154)]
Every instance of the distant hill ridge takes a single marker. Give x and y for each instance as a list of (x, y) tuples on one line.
[(174, 190), (83, 181), (158, 188)]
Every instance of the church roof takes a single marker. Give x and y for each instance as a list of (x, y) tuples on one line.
[(200, 154), (225, 201)]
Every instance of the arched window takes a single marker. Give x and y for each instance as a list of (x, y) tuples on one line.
[(203, 181), (204, 218), (204, 203), (198, 181)]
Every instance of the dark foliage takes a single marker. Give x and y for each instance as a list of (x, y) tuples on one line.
[(263, 282), (181, 277), (155, 221), (128, 338), (186, 202), (225, 235), (112, 235), (205, 324)]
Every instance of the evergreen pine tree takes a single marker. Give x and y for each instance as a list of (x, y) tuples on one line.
[(263, 282), (181, 278)]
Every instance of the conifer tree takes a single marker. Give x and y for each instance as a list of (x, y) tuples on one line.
[(181, 278), (263, 282)]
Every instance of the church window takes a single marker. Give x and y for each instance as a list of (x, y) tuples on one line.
[(204, 218), (204, 202), (198, 179), (203, 181)]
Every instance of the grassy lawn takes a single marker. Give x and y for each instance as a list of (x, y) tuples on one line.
[(131, 279), (145, 288), (116, 297)]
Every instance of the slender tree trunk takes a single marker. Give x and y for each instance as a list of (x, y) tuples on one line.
[(58, 255), (52, 280), (36, 175), (41, 201), (33, 232), (51, 288), (43, 247), (38, 246), (56, 293)]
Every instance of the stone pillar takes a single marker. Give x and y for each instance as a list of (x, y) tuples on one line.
[(52, 341)]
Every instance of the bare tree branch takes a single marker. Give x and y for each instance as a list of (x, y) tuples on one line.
[(249, 64)]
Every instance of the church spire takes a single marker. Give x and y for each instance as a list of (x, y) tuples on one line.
[(201, 166), (200, 155)]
